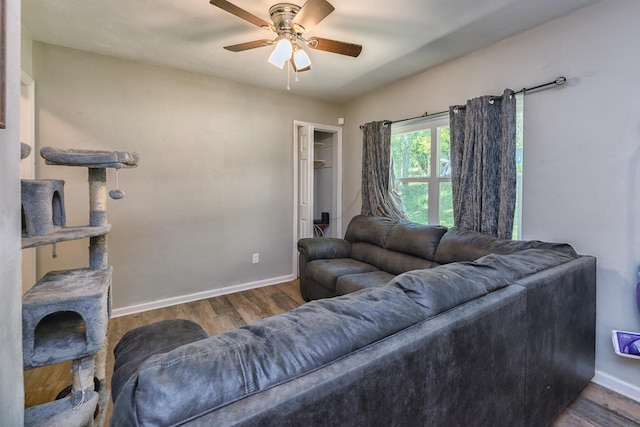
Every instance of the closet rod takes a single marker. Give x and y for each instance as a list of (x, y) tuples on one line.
[(557, 82)]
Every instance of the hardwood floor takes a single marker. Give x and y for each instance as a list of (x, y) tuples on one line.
[(596, 406)]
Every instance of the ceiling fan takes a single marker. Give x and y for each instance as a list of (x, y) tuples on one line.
[(290, 23)]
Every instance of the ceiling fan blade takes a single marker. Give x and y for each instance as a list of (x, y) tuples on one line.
[(335, 46), (249, 45), (311, 13), (241, 13)]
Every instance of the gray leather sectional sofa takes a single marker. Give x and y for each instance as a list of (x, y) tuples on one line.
[(475, 332)]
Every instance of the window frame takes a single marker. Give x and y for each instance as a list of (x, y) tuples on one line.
[(434, 180)]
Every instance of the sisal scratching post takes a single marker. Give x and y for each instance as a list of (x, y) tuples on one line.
[(83, 372), (98, 216), (98, 259), (101, 375)]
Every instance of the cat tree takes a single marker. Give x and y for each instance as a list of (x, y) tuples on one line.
[(66, 313)]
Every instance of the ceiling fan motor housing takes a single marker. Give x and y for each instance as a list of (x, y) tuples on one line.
[(282, 14)]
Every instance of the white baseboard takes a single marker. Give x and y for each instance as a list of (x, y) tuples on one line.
[(624, 388), (138, 308)]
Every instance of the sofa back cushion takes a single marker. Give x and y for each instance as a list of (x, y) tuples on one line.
[(369, 229), (415, 239), (397, 263), (383, 242), (390, 261), (458, 244), (367, 252), (524, 263), (441, 288), (197, 378), (446, 286)]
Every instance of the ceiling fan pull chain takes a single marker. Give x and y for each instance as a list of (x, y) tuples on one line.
[(288, 72)]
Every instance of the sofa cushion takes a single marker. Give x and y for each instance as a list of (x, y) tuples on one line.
[(367, 252), (197, 378), (387, 260), (327, 271), (370, 229), (415, 239), (524, 263), (441, 288), (139, 344), (397, 263), (355, 282), (458, 244)]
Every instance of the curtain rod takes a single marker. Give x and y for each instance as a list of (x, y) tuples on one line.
[(557, 82)]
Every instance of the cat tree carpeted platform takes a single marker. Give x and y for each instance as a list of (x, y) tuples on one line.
[(65, 316)]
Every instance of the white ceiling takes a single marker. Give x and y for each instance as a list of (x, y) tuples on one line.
[(400, 37)]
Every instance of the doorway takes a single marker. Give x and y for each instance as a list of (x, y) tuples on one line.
[(317, 168)]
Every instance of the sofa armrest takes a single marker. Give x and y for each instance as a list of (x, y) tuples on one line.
[(139, 344), (324, 248)]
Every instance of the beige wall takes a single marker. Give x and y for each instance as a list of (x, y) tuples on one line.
[(11, 389), (26, 53), (215, 180), (582, 146)]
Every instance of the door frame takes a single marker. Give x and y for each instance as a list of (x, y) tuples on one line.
[(28, 165), (336, 179)]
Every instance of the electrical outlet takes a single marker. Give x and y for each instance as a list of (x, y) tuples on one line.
[(256, 258)]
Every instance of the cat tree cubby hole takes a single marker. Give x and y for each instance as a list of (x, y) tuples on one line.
[(64, 328), (65, 316), (42, 206)]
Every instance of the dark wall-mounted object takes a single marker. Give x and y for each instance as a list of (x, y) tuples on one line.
[(325, 217)]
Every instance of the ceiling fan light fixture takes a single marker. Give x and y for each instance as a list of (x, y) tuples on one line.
[(281, 53), (301, 59)]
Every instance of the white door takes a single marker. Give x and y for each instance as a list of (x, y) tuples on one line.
[(305, 181), (304, 185)]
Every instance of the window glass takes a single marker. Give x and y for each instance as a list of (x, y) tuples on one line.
[(517, 220), (446, 204), (415, 200), (411, 152), (418, 148)]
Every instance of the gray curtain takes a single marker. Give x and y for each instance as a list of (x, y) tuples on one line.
[(483, 168), (378, 198)]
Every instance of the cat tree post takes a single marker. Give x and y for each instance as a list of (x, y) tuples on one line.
[(98, 217), (98, 259)]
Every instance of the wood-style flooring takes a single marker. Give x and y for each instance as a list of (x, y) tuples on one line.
[(596, 406)]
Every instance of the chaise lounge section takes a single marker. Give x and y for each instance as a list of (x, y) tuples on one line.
[(492, 333)]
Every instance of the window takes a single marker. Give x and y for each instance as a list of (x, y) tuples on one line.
[(422, 169), (517, 220), (420, 155)]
